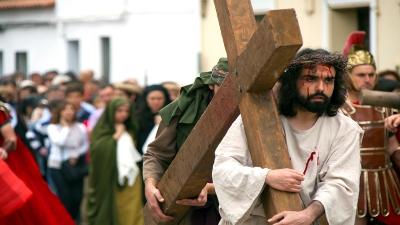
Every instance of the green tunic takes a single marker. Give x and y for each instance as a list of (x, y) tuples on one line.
[(103, 185)]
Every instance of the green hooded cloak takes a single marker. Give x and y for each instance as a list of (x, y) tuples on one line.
[(191, 104), (101, 204)]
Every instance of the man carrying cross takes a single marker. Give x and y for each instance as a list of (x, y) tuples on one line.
[(323, 147), (178, 120)]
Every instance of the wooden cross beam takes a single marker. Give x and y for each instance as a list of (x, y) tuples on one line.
[(256, 58)]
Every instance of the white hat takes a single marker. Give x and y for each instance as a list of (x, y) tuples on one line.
[(26, 83), (60, 79)]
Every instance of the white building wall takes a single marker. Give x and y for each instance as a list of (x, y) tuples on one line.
[(157, 37)]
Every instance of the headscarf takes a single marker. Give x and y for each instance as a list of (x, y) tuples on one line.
[(193, 101), (101, 205)]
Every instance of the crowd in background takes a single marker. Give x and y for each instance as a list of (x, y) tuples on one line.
[(56, 114)]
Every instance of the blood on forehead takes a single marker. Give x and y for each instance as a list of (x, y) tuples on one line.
[(321, 68)]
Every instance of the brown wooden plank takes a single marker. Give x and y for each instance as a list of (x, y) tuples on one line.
[(185, 178), (380, 98), (267, 147), (237, 23), (269, 51)]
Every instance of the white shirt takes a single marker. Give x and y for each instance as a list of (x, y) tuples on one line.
[(332, 177), (66, 142)]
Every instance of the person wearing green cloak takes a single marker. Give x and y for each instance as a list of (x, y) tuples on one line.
[(178, 120), (115, 186)]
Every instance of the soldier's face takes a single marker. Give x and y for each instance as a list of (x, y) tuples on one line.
[(364, 77), (315, 87)]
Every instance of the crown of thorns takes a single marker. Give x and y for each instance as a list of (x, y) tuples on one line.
[(335, 59)]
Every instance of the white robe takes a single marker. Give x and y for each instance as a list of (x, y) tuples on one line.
[(332, 177)]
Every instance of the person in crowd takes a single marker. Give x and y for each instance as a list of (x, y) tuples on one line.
[(14, 89), (91, 90), (48, 78), (129, 91), (115, 187), (43, 207), (68, 141), (39, 142), (154, 98), (36, 79), (74, 95), (173, 89), (178, 120), (26, 88), (390, 75), (27, 106), (106, 93)]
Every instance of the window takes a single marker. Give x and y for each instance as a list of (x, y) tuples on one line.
[(21, 65), (105, 59), (363, 24), (73, 56)]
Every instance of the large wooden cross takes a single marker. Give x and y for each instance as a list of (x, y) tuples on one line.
[(256, 58)]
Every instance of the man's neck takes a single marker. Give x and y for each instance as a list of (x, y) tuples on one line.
[(303, 120), (354, 96)]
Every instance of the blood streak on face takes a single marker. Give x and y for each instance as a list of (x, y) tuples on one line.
[(308, 92), (324, 70)]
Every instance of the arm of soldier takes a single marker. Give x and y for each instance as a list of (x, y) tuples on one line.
[(392, 122), (304, 217), (158, 157), (394, 147)]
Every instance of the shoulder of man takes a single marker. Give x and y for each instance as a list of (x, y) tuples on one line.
[(343, 120)]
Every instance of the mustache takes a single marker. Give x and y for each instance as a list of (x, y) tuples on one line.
[(318, 94)]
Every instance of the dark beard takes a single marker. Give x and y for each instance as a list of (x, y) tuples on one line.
[(314, 107)]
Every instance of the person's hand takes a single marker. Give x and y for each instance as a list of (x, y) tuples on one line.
[(201, 200), (292, 218), (120, 128), (43, 151), (392, 122), (73, 161), (285, 179), (157, 119), (3, 154), (154, 196)]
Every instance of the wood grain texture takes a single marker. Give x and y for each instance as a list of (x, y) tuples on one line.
[(380, 98), (267, 147), (264, 57), (237, 23)]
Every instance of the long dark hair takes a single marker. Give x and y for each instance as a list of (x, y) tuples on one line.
[(55, 118), (288, 80)]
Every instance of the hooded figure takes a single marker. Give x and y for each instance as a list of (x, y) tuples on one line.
[(115, 189)]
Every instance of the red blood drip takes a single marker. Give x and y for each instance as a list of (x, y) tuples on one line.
[(308, 161), (308, 91)]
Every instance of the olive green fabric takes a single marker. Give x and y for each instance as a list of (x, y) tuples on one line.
[(191, 104), (101, 204)]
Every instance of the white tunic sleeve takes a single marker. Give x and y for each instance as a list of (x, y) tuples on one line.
[(338, 180), (237, 183)]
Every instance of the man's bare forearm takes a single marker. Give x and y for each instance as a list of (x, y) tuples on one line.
[(151, 182), (315, 209)]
